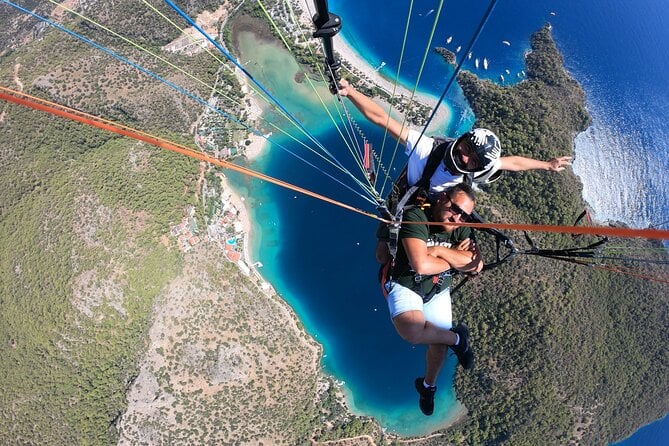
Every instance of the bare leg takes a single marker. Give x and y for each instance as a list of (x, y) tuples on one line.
[(413, 328), (382, 253), (434, 360)]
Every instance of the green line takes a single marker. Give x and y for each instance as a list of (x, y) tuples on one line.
[(420, 72), (259, 92), (367, 188), (392, 96)]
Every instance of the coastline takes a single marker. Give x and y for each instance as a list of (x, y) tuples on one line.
[(239, 202), (257, 148), (347, 53), (259, 143)]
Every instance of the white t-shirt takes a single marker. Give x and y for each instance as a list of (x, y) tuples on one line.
[(442, 178)]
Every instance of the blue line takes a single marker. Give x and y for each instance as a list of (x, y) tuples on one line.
[(175, 87), (258, 84), (473, 40), (134, 65)]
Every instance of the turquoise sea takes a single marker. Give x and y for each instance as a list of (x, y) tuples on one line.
[(319, 257)]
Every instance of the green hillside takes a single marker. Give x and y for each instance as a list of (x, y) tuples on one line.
[(87, 269), (565, 353)]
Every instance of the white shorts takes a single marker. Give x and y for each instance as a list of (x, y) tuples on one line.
[(437, 311)]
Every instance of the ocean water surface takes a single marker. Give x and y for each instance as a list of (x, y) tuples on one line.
[(320, 257), (653, 434)]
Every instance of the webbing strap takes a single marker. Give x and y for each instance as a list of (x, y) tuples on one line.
[(433, 161), (436, 288), (405, 199), (394, 231)]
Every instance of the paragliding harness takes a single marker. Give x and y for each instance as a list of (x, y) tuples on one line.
[(437, 281), (576, 255), (403, 197), (420, 284), (505, 250)]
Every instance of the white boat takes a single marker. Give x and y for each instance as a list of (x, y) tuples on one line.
[(383, 64), (506, 42), (507, 71), (501, 77), (429, 12), (450, 38), (476, 62), (485, 63), (457, 50), (469, 56)]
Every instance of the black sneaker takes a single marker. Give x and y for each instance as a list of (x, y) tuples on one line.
[(426, 401), (463, 350)]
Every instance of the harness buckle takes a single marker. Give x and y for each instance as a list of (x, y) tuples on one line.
[(394, 233), (442, 277)]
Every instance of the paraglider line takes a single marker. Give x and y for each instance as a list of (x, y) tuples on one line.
[(110, 126), (178, 89)]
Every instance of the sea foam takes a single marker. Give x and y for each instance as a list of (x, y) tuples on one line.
[(623, 179)]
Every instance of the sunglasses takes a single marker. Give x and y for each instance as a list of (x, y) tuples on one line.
[(457, 210)]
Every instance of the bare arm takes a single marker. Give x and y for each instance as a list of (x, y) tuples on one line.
[(518, 163), (465, 256), (373, 111), (420, 260)]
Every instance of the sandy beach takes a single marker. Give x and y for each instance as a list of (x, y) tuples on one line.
[(238, 201), (351, 56), (348, 54)]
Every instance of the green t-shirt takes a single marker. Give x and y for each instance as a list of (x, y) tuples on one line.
[(432, 236)]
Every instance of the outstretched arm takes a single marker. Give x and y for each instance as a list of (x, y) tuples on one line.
[(373, 111), (518, 163)]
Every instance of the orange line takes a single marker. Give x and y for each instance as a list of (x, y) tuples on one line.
[(591, 230), (630, 273), (617, 269), (655, 234), (65, 112)]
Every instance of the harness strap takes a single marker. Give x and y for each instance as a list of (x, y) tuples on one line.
[(384, 277), (437, 280), (435, 158), (423, 184), (394, 231)]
